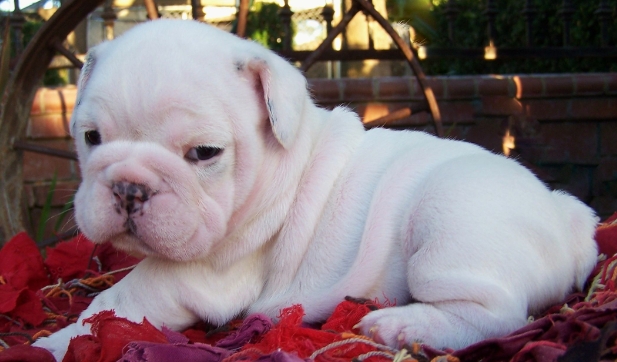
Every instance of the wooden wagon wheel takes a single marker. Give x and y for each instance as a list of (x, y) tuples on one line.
[(408, 53), (47, 42), (20, 91)]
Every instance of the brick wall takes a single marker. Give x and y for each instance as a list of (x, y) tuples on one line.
[(564, 126)]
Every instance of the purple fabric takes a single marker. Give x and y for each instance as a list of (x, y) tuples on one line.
[(160, 352), (253, 326), (174, 337), (280, 356), (543, 340), (179, 348)]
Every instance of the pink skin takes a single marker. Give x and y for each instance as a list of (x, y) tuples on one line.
[(179, 207)]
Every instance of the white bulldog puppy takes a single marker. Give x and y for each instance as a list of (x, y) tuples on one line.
[(204, 153)]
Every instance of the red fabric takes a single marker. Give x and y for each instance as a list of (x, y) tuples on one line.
[(558, 332), (288, 335), (24, 353), (606, 235), (21, 263), (22, 273), (110, 334), (69, 260), (346, 316), (83, 348)]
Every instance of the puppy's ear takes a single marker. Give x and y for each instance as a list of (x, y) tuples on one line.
[(285, 95)]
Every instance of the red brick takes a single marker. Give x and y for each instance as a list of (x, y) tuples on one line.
[(436, 84), (500, 106), (358, 90), (417, 121), (54, 100), (571, 142), (547, 110), (608, 139), (461, 87), (594, 108), (457, 112), (590, 84), (605, 172), (488, 133), (42, 167), (325, 90), (605, 206), (558, 85), (611, 82), (493, 86), (415, 93), (394, 88), (528, 86), (373, 111), (358, 108), (453, 131), (538, 171), (49, 126), (574, 179)]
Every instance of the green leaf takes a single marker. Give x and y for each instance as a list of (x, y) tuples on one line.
[(65, 211), (40, 231)]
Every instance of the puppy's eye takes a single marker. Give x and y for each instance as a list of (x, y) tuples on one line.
[(93, 138), (202, 153)]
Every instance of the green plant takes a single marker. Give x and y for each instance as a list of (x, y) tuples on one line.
[(264, 25), (431, 24), (45, 216), (46, 211)]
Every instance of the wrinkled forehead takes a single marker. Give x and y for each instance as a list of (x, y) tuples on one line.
[(164, 89)]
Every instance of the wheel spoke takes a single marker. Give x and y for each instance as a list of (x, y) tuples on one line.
[(152, 9), (25, 146), (67, 54)]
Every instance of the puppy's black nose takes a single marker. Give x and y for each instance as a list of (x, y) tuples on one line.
[(130, 196)]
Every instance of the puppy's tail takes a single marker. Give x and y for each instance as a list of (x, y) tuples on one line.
[(582, 222)]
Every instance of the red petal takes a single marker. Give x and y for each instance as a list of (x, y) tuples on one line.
[(29, 309), (21, 263), (8, 298), (69, 259)]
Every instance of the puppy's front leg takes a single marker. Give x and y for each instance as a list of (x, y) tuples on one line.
[(148, 291)]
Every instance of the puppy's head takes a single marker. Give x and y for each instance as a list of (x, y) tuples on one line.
[(176, 124)]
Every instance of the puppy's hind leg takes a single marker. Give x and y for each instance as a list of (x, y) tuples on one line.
[(483, 245), (444, 324)]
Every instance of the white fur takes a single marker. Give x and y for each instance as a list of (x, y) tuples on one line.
[(304, 205)]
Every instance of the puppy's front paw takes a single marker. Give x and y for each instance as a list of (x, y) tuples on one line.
[(58, 343), (401, 326), (56, 346)]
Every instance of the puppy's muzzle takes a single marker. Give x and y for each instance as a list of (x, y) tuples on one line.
[(130, 197)]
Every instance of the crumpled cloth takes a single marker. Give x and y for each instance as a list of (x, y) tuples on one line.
[(582, 328)]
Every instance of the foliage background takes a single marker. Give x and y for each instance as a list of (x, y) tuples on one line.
[(429, 20)]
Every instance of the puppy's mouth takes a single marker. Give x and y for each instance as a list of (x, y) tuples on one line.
[(130, 202), (130, 226)]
